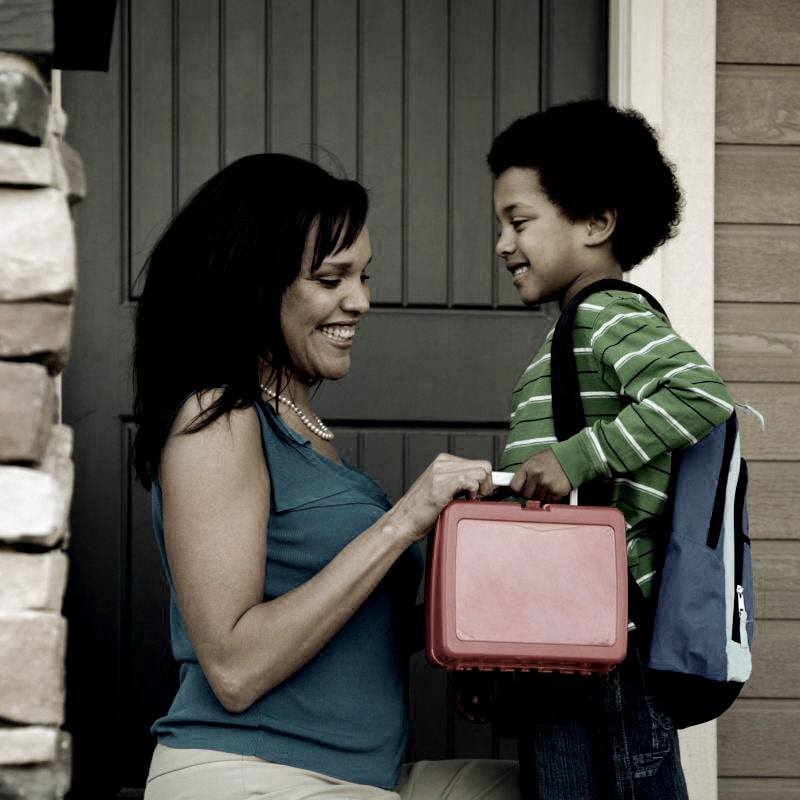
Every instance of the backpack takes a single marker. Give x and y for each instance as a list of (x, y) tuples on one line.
[(701, 628)]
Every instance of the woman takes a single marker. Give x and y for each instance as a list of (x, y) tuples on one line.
[(292, 580)]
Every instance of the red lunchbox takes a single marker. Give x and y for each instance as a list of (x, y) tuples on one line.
[(527, 587)]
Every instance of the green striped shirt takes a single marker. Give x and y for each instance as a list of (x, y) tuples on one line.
[(646, 392)]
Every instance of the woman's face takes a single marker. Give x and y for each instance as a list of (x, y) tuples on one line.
[(320, 311)]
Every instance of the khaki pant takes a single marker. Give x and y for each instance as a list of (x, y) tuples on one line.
[(211, 775)]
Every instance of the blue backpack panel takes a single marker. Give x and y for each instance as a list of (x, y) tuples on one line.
[(703, 623), (701, 627)]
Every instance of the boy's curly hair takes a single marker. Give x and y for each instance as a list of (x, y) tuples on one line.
[(590, 157)]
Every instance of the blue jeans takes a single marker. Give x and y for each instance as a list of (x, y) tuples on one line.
[(601, 737)]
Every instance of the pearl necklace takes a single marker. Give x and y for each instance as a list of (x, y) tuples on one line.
[(317, 427)]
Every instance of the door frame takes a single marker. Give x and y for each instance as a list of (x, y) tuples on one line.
[(656, 48)]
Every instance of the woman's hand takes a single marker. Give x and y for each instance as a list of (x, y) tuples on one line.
[(542, 478), (416, 511)]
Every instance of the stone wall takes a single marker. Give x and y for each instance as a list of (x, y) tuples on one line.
[(40, 179)]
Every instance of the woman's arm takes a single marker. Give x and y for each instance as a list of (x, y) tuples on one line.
[(216, 494)]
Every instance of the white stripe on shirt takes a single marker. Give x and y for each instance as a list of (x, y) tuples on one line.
[(599, 451), (671, 374), (715, 400), (539, 398), (614, 320), (672, 421), (657, 343), (524, 442), (643, 488), (631, 441)]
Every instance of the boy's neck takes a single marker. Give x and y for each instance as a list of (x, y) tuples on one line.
[(598, 273)]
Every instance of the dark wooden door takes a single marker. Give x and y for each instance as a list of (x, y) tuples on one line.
[(406, 95)]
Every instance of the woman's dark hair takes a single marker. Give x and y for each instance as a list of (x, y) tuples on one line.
[(210, 306), (591, 157)]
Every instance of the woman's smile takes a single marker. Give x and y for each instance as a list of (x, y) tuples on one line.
[(341, 334)]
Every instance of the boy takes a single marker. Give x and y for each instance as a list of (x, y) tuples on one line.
[(582, 193)]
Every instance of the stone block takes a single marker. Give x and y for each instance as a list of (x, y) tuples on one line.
[(37, 245), (27, 166), (59, 451), (39, 780), (32, 744), (32, 651), (38, 332), (24, 106), (27, 27), (58, 463), (32, 582), (34, 505), (26, 411), (74, 172)]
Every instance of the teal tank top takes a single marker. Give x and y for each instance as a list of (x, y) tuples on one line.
[(344, 714)]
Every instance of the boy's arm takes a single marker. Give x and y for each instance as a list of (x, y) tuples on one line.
[(674, 397), (541, 477)]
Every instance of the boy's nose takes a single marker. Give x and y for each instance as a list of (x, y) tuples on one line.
[(504, 246)]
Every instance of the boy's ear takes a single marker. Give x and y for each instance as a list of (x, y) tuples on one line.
[(599, 227)]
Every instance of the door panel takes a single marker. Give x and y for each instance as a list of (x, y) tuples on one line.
[(404, 95), (472, 278), (451, 366)]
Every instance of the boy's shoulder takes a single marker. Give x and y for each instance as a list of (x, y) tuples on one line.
[(605, 297), (607, 307)]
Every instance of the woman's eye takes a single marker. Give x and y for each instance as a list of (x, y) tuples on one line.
[(517, 224), (329, 283), (365, 278)]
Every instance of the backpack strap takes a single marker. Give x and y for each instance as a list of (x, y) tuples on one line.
[(569, 417)]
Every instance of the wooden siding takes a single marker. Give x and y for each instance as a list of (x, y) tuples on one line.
[(757, 350), (755, 788), (27, 27), (757, 263), (773, 494), (757, 103), (758, 32), (758, 341), (757, 184)]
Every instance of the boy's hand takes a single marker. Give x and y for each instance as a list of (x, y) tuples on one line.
[(541, 478)]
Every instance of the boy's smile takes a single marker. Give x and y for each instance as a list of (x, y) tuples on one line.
[(545, 252)]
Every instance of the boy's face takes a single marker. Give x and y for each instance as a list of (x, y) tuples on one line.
[(544, 251)]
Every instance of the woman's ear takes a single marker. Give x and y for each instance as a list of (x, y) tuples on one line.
[(599, 227)]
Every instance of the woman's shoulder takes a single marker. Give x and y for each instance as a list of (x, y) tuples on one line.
[(194, 405), (235, 427)]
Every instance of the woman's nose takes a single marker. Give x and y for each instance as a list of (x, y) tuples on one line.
[(358, 299)]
